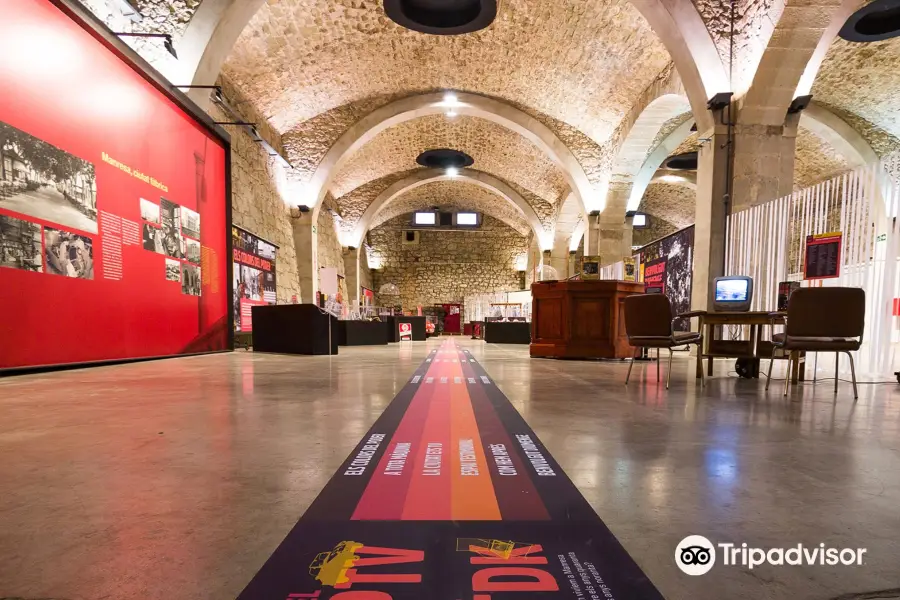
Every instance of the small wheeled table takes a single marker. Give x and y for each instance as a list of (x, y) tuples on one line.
[(747, 352)]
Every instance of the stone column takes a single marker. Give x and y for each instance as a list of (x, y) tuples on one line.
[(709, 223), (763, 162), (351, 276), (610, 233), (306, 246)]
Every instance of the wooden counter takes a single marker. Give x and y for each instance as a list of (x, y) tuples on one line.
[(581, 319)]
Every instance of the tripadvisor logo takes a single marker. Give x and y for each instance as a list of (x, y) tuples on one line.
[(696, 555)]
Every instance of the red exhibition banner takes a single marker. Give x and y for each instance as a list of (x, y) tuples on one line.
[(113, 220)]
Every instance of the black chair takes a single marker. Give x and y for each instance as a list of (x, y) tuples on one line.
[(649, 324), (825, 319)]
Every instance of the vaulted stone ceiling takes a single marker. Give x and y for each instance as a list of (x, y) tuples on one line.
[(312, 69), (579, 63), (861, 83), (457, 195), (496, 150)]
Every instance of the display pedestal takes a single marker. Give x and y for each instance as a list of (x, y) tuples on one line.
[(418, 327), (581, 319), (362, 333), (294, 329), (507, 333)]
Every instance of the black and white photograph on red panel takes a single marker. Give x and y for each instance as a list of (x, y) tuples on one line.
[(270, 294), (248, 242), (190, 279), (42, 181), (251, 279), (190, 223), (149, 211), (68, 254), (173, 270), (171, 228), (153, 238), (20, 244), (190, 249), (265, 250), (237, 291)]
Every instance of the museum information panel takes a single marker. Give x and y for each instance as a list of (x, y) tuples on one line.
[(113, 232)]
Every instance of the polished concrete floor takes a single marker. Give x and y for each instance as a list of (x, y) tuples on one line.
[(178, 478)]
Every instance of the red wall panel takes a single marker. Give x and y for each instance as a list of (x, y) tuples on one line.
[(63, 86)]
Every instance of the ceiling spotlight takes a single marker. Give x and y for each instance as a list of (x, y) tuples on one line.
[(798, 104), (719, 101), (452, 172), (451, 113), (167, 39), (450, 99)]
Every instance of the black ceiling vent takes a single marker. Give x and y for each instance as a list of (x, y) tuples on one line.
[(445, 158), (442, 17), (682, 162), (874, 22)]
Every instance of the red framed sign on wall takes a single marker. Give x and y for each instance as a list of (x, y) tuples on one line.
[(114, 200)]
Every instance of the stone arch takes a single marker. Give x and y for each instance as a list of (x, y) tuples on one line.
[(208, 40), (654, 160), (469, 104), (792, 57), (838, 133), (570, 224), (639, 141), (684, 34), (425, 176)]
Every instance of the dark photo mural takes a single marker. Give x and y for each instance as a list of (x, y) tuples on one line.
[(667, 265)]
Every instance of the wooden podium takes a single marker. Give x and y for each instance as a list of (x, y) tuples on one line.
[(580, 319)]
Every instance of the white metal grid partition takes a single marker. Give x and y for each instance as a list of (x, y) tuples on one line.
[(767, 241)]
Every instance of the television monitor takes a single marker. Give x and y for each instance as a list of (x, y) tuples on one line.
[(734, 293), (424, 218)]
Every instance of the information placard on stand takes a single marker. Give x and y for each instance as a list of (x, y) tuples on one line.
[(822, 259)]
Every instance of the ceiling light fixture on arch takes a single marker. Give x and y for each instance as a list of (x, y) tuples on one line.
[(442, 17), (445, 158), (877, 21)]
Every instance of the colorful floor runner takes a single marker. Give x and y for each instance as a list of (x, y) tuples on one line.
[(450, 496)]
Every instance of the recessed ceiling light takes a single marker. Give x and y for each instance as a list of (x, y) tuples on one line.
[(442, 17), (451, 113), (452, 172), (444, 158), (877, 21)]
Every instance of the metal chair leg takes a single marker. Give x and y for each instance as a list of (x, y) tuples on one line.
[(787, 374), (657, 364), (669, 369), (630, 366), (700, 365), (837, 359), (853, 376), (769, 374)]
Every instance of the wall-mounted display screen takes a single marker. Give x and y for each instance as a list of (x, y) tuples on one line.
[(424, 218), (113, 221)]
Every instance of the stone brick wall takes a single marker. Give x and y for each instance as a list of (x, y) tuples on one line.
[(329, 246), (159, 16), (670, 207), (446, 266), (258, 205)]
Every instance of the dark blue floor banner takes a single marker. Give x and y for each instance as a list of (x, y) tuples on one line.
[(450, 496)]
